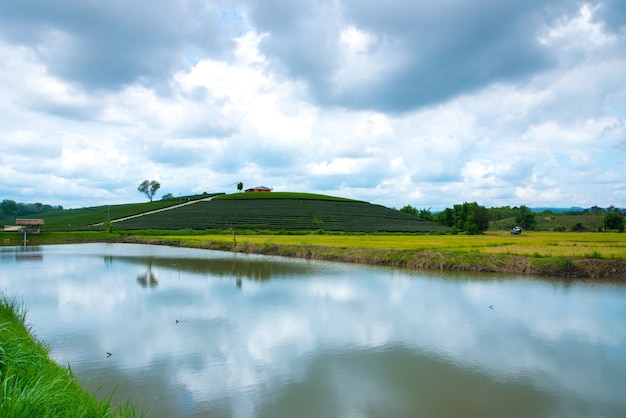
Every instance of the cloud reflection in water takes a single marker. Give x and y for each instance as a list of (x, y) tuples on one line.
[(366, 340)]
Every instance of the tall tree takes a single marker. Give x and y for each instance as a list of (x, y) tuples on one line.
[(239, 186), (469, 217), (425, 214), (481, 217), (525, 218), (614, 220), (149, 188), (446, 217)]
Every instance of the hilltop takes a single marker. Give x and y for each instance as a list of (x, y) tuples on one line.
[(282, 211), (288, 211)]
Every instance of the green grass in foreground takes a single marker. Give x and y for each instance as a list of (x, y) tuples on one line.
[(32, 384)]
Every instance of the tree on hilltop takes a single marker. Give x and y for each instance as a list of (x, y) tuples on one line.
[(424, 214), (149, 188), (410, 210)]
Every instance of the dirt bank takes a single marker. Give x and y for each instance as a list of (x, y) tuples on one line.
[(557, 267)]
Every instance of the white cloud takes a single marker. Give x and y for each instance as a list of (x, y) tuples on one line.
[(538, 196), (306, 109), (339, 166), (579, 31), (364, 58)]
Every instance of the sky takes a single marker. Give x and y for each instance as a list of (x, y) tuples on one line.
[(425, 103)]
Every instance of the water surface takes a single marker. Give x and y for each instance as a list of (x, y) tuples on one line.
[(206, 333)]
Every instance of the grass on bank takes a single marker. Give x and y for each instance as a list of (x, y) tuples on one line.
[(597, 245), (583, 255), (566, 255), (35, 386), (417, 252), (529, 244)]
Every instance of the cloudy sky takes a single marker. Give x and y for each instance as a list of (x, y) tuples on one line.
[(427, 103)]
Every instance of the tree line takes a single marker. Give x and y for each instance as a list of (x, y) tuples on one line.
[(472, 218), (468, 217), (12, 209)]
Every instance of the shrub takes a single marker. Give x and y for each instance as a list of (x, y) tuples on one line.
[(595, 254)]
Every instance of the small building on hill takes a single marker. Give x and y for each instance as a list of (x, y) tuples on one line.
[(258, 189)]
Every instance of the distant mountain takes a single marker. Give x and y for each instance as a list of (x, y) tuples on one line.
[(558, 210)]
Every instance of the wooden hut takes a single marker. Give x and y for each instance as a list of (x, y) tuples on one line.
[(31, 225), (258, 189)]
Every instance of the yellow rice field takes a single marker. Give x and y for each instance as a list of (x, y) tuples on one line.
[(535, 244)]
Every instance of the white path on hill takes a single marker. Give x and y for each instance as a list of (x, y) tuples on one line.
[(191, 202)]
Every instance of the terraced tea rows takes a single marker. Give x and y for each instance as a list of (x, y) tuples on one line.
[(76, 219), (282, 214)]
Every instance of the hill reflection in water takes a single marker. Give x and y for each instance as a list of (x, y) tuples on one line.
[(238, 267)]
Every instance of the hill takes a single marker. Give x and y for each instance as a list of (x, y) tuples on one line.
[(282, 211), (557, 222), (558, 210), (73, 219)]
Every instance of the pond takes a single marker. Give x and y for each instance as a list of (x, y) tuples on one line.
[(206, 333)]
